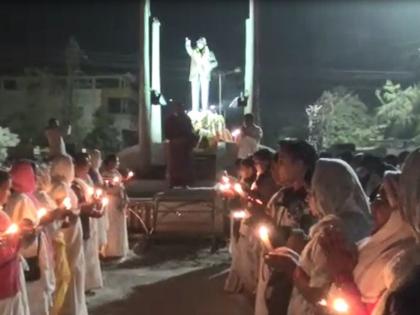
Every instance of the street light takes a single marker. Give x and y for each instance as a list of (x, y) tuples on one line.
[(223, 74)]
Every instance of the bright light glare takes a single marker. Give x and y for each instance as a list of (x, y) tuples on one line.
[(12, 229), (90, 191), (105, 201), (238, 188), (323, 302), (236, 133), (67, 203), (98, 193), (263, 232), (240, 214), (41, 213), (340, 305)]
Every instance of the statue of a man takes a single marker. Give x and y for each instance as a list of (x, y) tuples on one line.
[(203, 62)]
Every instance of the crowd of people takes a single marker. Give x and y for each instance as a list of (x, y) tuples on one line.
[(58, 219), (314, 233)]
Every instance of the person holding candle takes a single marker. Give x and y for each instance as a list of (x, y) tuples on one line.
[(243, 274), (13, 298), (60, 279), (91, 210), (62, 175), (337, 199), (22, 208), (381, 282), (117, 243), (98, 181), (286, 211)]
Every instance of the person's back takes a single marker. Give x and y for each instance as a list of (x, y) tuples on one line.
[(55, 137)]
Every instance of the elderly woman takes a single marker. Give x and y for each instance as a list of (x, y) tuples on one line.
[(98, 181), (13, 298), (380, 253), (91, 209), (337, 199), (62, 175), (117, 243), (59, 280), (22, 208)]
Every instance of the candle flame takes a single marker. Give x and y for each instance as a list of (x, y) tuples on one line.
[(340, 305), (90, 191), (67, 203), (264, 233), (225, 180), (130, 174), (240, 214), (12, 229), (323, 302), (105, 201), (116, 180), (41, 213), (238, 188), (98, 193), (236, 133)]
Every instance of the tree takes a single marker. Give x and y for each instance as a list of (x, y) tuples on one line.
[(104, 135), (339, 116), (399, 113)]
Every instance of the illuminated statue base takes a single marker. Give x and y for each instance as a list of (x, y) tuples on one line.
[(210, 127)]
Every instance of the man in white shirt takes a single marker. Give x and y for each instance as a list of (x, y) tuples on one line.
[(250, 137)]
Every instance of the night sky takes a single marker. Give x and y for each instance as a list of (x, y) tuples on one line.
[(299, 40)]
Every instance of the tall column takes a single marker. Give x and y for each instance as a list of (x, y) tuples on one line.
[(252, 60), (249, 60), (156, 121), (144, 87)]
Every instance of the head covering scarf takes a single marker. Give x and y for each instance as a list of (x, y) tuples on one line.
[(343, 204), (410, 191), (43, 178), (398, 270), (23, 178), (337, 188), (62, 169)]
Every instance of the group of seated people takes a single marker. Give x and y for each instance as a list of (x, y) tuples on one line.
[(325, 235), (58, 219)]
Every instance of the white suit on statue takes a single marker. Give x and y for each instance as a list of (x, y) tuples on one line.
[(203, 62)]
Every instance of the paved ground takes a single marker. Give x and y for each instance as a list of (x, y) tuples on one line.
[(175, 280)]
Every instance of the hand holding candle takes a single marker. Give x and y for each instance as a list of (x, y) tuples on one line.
[(67, 203), (264, 234), (129, 175)]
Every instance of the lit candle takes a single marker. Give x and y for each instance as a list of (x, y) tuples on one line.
[(98, 193), (67, 203), (264, 233), (225, 180), (115, 180), (130, 174), (12, 229), (90, 191), (236, 133), (239, 214), (41, 213), (105, 201), (340, 305), (238, 188), (323, 302)]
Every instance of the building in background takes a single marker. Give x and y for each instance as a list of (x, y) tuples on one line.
[(34, 96)]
